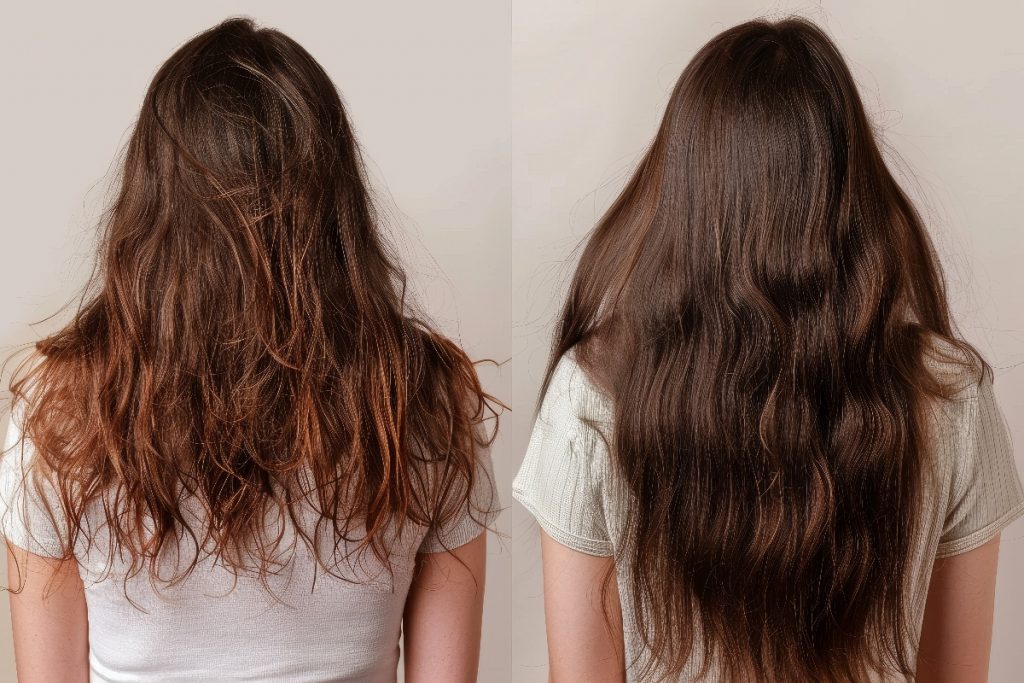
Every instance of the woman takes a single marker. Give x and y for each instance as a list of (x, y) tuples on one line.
[(244, 459), (762, 454)]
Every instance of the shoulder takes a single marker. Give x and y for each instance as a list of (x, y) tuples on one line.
[(572, 392), (564, 473), (573, 427), (958, 371)]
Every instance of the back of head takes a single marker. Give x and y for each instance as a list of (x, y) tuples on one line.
[(247, 343), (765, 290)]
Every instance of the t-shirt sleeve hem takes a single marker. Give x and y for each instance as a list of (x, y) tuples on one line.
[(582, 544), (981, 536), (469, 529), (24, 540)]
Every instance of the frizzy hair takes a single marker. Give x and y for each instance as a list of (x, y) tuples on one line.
[(759, 304), (246, 347)]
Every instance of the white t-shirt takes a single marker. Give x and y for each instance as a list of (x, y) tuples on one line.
[(569, 483), (310, 627)]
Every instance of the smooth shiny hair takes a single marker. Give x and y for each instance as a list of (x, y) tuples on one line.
[(759, 304), (247, 350)]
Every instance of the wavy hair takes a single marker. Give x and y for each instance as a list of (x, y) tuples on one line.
[(247, 347), (759, 303)]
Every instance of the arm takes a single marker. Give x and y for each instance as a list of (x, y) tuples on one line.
[(48, 615), (443, 615), (956, 635), (582, 644)]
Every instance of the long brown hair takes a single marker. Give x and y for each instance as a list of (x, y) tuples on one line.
[(758, 304), (247, 345)]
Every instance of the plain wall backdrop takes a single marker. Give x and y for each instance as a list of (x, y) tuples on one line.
[(426, 87), (945, 84)]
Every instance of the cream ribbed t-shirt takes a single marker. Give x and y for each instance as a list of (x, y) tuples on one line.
[(309, 628), (568, 482)]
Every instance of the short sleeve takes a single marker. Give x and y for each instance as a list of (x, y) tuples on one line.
[(481, 509), (986, 487), (25, 514), (562, 478)]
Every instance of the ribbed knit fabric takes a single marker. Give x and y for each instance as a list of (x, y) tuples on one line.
[(308, 628), (569, 484)]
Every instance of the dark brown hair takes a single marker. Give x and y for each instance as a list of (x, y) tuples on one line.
[(247, 345), (759, 303)]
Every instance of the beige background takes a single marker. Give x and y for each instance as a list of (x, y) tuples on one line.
[(426, 85), (945, 82)]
